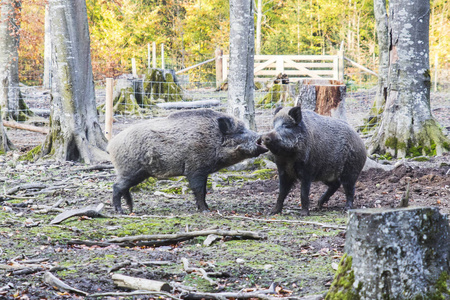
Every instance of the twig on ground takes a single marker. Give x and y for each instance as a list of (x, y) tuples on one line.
[(134, 264), (201, 270), (289, 221), (136, 283), (28, 186)]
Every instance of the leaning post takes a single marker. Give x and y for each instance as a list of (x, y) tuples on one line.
[(219, 66), (109, 108), (341, 62)]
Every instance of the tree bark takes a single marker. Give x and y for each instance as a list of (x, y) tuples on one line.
[(242, 47), (75, 133), (9, 58), (258, 27), (407, 127), (394, 254)]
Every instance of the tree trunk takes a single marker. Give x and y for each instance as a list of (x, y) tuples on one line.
[(258, 27), (240, 78), (407, 127), (5, 143), (47, 50), (75, 133), (9, 58), (394, 254), (381, 19)]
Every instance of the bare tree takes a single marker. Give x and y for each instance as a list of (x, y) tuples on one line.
[(9, 58), (75, 132), (407, 126), (242, 47)]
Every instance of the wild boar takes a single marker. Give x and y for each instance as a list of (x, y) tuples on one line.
[(192, 143), (310, 147)]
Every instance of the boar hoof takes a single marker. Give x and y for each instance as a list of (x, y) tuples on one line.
[(275, 212), (304, 212)]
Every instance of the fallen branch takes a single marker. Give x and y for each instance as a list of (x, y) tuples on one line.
[(128, 243), (225, 295), (236, 233), (91, 211), (187, 269), (140, 283), (28, 186), (136, 264), (137, 293), (289, 221), (25, 127), (52, 280)]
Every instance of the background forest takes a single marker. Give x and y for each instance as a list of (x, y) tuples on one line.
[(191, 30)]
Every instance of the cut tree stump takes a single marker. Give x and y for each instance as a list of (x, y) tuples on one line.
[(325, 97), (398, 254)]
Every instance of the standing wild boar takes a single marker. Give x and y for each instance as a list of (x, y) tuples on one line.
[(191, 143), (310, 147)]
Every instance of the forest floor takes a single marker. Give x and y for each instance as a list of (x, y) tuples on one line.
[(300, 254)]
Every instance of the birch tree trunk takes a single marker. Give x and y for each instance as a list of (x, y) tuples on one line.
[(9, 58), (75, 133), (242, 47), (407, 127)]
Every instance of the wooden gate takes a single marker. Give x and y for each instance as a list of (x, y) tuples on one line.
[(297, 67)]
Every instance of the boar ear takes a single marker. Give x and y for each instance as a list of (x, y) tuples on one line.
[(225, 125), (296, 114), (277, 110)]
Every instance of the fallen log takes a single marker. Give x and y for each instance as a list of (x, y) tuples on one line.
[(190, 104), (135, 283), (25, 127)]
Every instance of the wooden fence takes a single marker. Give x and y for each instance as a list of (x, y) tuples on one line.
[(297, 67)]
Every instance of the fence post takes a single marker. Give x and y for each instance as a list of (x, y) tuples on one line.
[(149, 56), (154, 55), (133, 67), (163, 65), (219, 66), (109, 108), (341, 62)]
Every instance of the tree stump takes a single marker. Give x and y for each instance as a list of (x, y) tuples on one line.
[(398, 253), (325, 97)]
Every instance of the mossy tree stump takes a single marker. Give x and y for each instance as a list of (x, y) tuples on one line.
[(394, 254), (325, 97)]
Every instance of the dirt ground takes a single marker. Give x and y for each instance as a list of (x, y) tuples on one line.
[(299, 253)]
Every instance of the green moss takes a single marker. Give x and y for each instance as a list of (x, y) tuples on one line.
[(342, 286), (421, 158), (264, 173), (441, 288), (145, 185), (32, 155)]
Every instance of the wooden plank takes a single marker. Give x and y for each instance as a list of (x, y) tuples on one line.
[(264, 65)]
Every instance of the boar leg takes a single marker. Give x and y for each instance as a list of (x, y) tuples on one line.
[(332, 188), (304, 196), (349, 189), (197, 183), (122, 188), (286, 183)]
